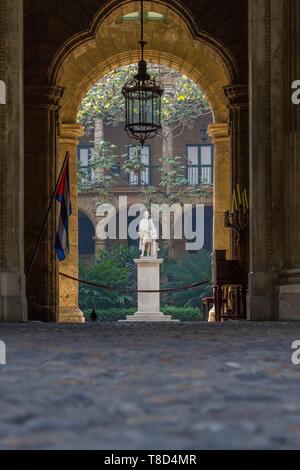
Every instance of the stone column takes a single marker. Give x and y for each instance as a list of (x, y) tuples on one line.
[(69, 311), (13, 306), (289, 275), (239, 130), (41, 146), (267, 155), (222, 185)]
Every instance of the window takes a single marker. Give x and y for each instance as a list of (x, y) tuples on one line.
[(148, 16), (144, 178), (85, 153), (200, 160)]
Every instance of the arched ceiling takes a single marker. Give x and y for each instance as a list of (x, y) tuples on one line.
[(169, 42)]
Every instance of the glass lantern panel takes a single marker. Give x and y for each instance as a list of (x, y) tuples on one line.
[(135, 111), (148, 112)]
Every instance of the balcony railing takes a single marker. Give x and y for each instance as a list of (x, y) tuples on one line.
[(197, 174)]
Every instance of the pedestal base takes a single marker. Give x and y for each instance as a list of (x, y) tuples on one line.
[(71, 315), (149, 299), (150, 317)]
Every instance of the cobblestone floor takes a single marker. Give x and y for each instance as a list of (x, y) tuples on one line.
[(133, 386)]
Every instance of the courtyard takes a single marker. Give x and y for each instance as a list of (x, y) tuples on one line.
[(150, 386)]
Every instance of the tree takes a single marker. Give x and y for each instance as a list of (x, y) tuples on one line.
[(113, 268), (182, 101), (100, 176)]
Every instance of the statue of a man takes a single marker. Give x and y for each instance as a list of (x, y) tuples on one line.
[(148, 237)]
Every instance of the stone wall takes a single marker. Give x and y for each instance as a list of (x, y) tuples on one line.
[(12, 281), (274, 280), (50, 24), (190, 136), (2, 138)]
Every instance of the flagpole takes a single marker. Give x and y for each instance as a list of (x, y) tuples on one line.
[(28, 272)]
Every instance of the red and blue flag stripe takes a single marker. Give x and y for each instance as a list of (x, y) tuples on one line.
[(62, 242)]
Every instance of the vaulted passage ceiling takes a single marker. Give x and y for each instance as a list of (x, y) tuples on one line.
[(170, 41)]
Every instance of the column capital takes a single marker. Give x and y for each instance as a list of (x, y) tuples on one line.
[(70, 133), (238, 96), (219, 132), (44, 97)]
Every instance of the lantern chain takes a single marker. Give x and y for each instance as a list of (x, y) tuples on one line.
[(142, 41)]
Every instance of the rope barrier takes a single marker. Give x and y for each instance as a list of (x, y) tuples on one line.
[(134, 291)]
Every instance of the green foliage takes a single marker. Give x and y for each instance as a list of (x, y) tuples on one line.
[(173, 186), (99, 173), (182, 101), (134, 164), (190, 269), (178, 313), (116, 268), (105, 100), (112, 268), (183, 313), (104, 156), (175, 183), (185, 101)]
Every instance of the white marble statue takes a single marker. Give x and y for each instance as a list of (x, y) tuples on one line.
[(148, 237)]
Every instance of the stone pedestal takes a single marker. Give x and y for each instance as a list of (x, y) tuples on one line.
[(148, 303)]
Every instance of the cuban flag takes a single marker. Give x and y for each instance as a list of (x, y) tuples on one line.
[(62, 244)]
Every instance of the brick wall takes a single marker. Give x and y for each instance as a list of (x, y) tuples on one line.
[(191, 135)]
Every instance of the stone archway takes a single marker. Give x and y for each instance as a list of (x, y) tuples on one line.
[(56, 83), (113, 43)]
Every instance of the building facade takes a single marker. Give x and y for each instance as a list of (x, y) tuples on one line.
[(196, 152), (243, 54)]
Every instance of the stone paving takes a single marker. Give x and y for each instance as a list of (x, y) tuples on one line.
[(164, 386)]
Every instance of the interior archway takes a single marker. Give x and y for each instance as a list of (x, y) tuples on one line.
[(113, 42)]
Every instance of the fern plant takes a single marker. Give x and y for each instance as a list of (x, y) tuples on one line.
[(189, 270)]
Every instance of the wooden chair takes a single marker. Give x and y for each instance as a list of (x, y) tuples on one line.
[(230, 288)]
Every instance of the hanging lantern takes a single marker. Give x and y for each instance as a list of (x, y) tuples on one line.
[(142, 100)]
